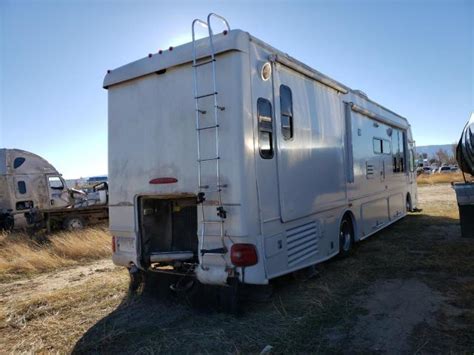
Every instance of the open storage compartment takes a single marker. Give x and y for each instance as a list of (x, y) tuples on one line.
[(168, 229)]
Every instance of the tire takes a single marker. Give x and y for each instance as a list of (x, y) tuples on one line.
[(74, 223), (136, 279), (408, 204), (346, 237), (6, 223)]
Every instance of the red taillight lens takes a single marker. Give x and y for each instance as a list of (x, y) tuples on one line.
[(243, 254), (113, 244)]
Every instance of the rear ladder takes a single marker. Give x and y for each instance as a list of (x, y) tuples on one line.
[(215, 186)]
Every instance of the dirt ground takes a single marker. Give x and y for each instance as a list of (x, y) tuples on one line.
[(407, 289)]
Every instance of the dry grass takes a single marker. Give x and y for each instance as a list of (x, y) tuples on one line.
[(20, 254), (52, 321), (302, 316), (431, 179)]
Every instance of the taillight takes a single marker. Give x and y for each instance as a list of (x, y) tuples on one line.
[(113, 244), (243, 254)]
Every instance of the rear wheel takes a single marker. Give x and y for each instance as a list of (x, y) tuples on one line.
[(74, 223), (408, 204), (346, 237)]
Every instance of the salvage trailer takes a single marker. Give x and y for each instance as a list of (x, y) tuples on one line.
[(232, 162), (33, 194)]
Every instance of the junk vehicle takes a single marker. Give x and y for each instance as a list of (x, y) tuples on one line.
[(36, 195), (232, 162), (465, 190)]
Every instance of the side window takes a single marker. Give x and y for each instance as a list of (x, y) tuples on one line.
[(55, 183), (412, 160), (22, 187), (377, 146), (18, 162), (403, 163), (265, 128), (398, 154), (386, 148), (286, 109)]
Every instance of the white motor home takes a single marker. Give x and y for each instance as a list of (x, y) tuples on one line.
[(230, 160), (32, 191)]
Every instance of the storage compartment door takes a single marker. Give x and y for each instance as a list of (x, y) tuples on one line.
[(374, 215)]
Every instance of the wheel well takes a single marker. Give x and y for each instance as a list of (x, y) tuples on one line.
[(351, 218)]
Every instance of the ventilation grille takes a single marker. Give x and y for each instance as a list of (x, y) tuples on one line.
[(302, 242), (369, 170)]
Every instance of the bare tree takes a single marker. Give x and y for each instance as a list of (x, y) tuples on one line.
[(442, 156)]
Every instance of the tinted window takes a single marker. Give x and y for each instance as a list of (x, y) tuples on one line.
[(22, 187), (286, 108), (265, 128), (17, 162)]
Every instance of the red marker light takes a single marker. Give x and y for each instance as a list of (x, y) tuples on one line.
[(149, 55), (108, 71), (163, 180), (225, 32), (160, 52), (171, 48), (243, 255)]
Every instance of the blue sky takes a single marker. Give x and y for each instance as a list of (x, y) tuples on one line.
[(414, 57)]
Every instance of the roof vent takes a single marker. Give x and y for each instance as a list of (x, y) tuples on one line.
[(361, 93)]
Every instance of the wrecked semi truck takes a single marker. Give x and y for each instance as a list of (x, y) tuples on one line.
[(34, 194)]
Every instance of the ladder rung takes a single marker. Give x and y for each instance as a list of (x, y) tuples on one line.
[(212, 222), (218, 190), (208, 186), (208, 159), (206, 95), (203, 63), (207, 127), (217, 251)]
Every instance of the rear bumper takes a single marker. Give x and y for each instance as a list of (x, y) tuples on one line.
[(125, 259)]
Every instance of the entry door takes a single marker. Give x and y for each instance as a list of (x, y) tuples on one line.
[(309, 132), (58, 194)]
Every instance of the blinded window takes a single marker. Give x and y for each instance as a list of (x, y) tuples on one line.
[(265, 128), (286, 111)]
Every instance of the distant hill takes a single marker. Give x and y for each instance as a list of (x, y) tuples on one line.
[(431, 150)]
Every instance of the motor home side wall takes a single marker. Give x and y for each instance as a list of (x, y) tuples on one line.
[(290, 206)]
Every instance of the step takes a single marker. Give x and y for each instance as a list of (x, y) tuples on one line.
[(203, 63), (205, 95), (221, 186), (207, 127), (208, 159), (217, 251), (212, 222)]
